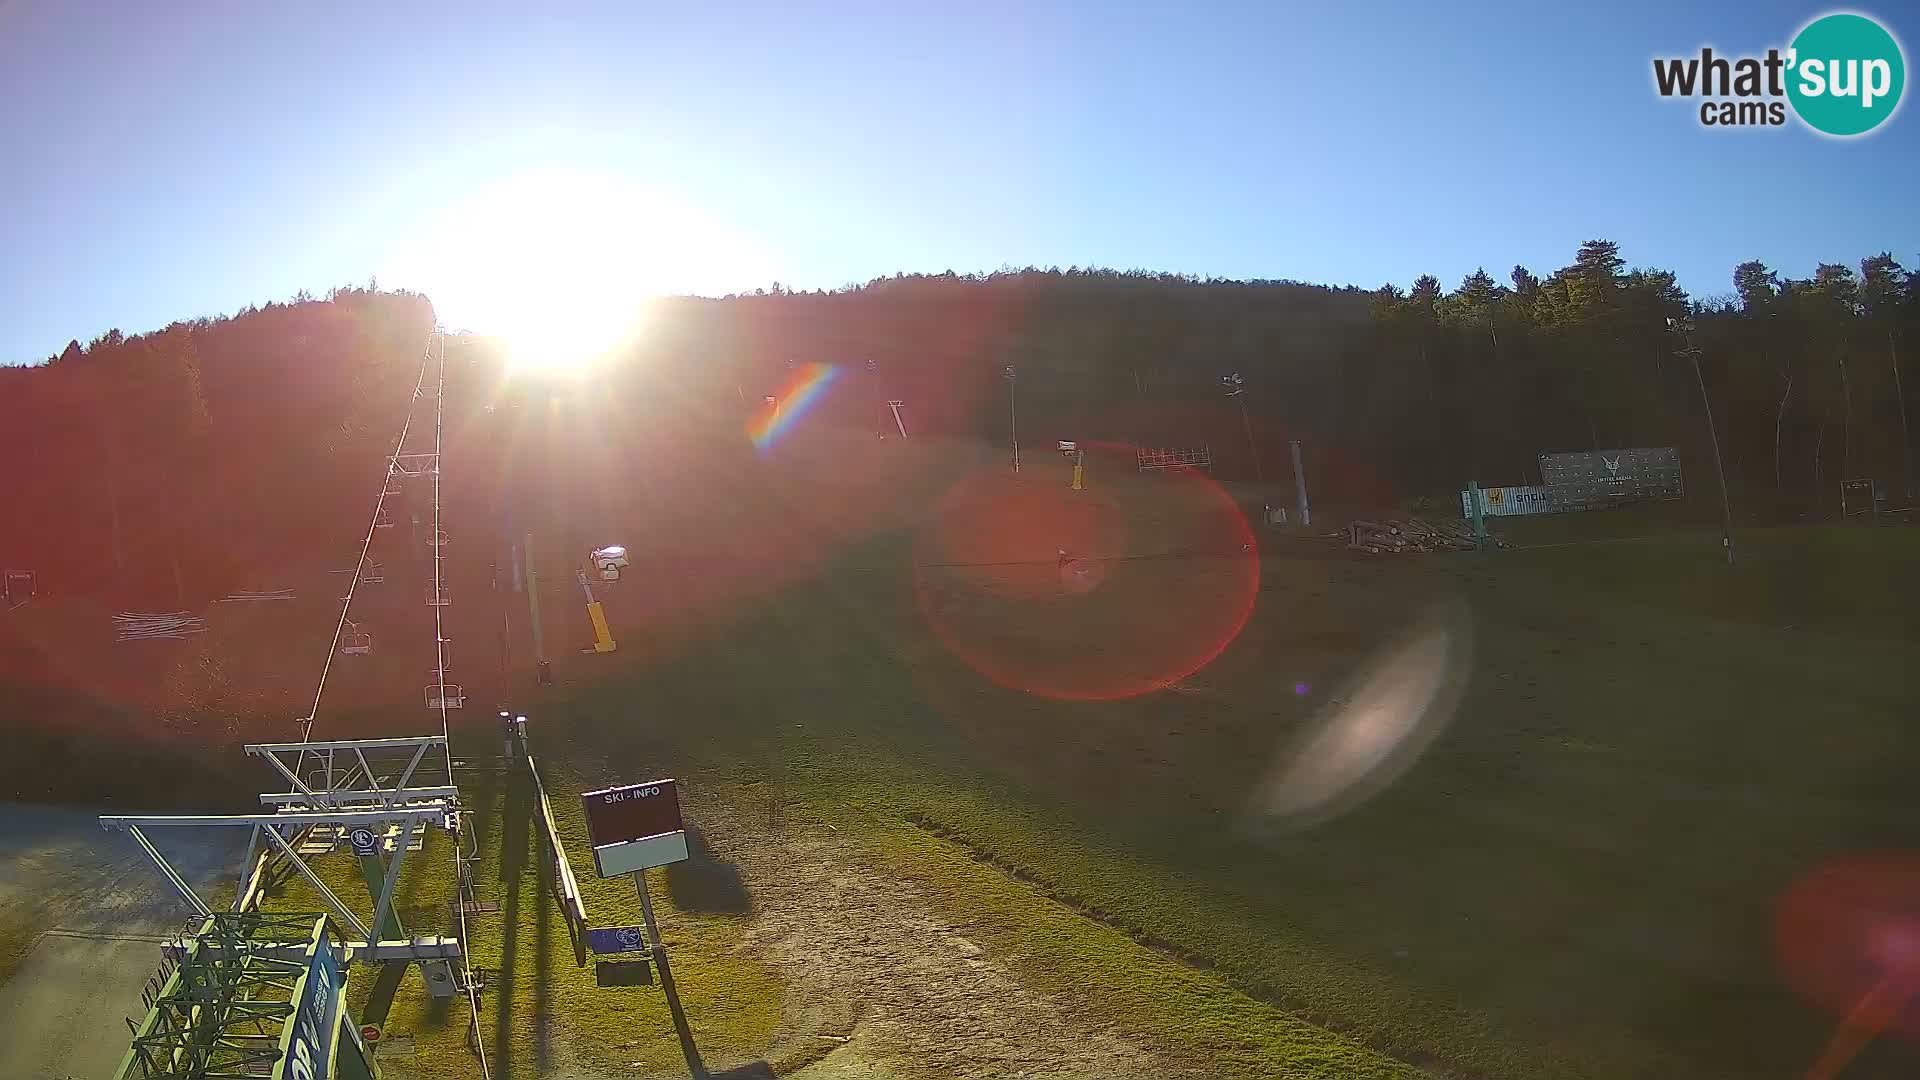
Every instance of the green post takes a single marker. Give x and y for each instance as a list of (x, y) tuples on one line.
[(1479, 519), (542, 671)]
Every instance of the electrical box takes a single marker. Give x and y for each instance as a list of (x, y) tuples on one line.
[(439, 977)]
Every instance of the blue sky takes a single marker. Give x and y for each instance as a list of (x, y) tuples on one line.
[(168, 161)]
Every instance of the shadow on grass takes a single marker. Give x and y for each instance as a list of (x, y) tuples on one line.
[(704, 883), (516, 826), (385, 985), (545, 911)]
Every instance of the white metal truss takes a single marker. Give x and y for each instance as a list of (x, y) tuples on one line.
[(280, 830), (418, 947), (1192, 457), (358, 774), (411, 465)]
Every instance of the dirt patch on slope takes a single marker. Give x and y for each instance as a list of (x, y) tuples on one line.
[(879, 985)]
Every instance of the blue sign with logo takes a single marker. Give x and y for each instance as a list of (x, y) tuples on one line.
[(310, 1041), (616, 939)]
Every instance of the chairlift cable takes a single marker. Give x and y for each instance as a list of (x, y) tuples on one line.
[(440, 666), (366, 545)]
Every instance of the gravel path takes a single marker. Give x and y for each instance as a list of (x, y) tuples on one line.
[(881, 986)]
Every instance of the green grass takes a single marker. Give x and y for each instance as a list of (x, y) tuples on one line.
[(539, 1012), (1057, 948), (1575, 880)]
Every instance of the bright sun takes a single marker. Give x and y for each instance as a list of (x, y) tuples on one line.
[(564, 265)]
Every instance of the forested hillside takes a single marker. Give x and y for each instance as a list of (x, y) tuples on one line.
[(157, 468), (1395, 392), (153, 469)]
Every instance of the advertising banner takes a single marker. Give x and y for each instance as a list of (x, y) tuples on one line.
[(1587, 479), (310, 1034), (1508, 502)]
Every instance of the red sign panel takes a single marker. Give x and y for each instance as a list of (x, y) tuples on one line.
[(616, 815)]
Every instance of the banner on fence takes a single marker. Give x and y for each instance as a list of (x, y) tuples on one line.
[(1508, 502), (1589, 478)]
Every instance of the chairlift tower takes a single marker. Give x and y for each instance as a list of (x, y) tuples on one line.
[(240, 997), (376, 797), (393, 788)]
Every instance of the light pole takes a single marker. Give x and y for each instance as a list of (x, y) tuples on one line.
[(1684, 327), (1236, 388), (1013, 417)]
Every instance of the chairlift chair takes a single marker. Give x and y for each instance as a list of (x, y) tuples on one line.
[(356, 642), (383, 517), (437, 597), (440, 538), (445, 695)]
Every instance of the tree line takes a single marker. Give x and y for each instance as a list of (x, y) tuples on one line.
[(160, 467)]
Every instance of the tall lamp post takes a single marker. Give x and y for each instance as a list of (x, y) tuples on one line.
[(1684, 328), (1236, 388), (1013, 417)]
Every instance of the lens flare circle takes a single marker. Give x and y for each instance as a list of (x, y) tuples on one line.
[(1847, 936), (1372, 730), (1086, 595)]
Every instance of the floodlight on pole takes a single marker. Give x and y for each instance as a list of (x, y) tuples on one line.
[(1013, 416), (1684, 328), (1236, 388)]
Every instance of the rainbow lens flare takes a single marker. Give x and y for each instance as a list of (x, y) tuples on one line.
[(774, 419)]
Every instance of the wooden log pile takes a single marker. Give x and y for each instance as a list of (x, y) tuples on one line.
[(247, 596), (148, 626), (1402, 536)]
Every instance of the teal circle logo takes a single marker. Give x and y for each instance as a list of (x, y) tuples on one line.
[(1845, 74)]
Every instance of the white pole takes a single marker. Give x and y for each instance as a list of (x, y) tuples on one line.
[(1300, 483), (1014, 414)]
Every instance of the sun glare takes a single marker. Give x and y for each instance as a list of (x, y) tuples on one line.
[(564, 266)]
